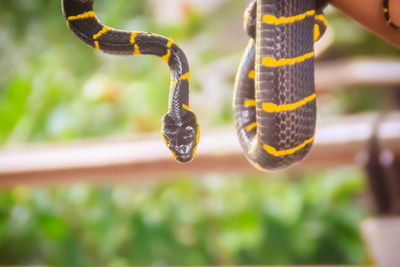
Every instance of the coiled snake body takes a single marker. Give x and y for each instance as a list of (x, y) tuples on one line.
[(274, 98)]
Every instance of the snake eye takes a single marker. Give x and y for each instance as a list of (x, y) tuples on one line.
[(189, 133)]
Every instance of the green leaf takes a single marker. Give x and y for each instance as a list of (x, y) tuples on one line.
[(12, 105)]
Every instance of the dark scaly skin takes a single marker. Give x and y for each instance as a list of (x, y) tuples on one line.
[(277, 139), (180, 128)]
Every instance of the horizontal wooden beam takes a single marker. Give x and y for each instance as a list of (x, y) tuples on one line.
[(357, 71), (337, 143)]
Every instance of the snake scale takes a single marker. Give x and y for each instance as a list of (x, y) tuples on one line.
[(274, 98)]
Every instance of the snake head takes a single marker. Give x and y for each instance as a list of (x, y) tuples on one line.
[(181, 135)]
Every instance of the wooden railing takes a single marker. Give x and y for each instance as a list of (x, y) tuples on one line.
[(338, 142)]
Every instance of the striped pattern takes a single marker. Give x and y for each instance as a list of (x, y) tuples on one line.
[(168, 55), (320, 26), (274, 98), (272, 62), (252, 74), (136, 49), (321, 18), (251, 126), (85, 15), (271, 107), (186, 76), (274, 152), (250, 102), (317, 32), (101, 32), (271, 19), (290, 22)]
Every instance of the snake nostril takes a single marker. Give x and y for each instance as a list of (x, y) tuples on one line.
[(182, 149), (187, 149)]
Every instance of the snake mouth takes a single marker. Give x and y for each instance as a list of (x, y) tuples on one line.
[(181, 148), (183, 158), (182, 153)]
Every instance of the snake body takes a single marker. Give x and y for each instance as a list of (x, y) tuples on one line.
[(180, 128), (274, 99)]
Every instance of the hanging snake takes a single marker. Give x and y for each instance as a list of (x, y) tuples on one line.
[(274, 98), (180, 128)]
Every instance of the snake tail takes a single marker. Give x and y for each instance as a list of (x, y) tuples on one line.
[(180, 128), (386, 13)]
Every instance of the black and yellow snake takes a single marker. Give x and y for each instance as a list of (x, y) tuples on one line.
[(274, 98), (180, 128)]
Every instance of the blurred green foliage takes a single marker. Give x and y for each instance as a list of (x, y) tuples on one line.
[(237, 220), (54, 88)]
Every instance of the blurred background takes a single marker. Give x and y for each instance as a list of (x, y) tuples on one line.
[(55, 89)]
